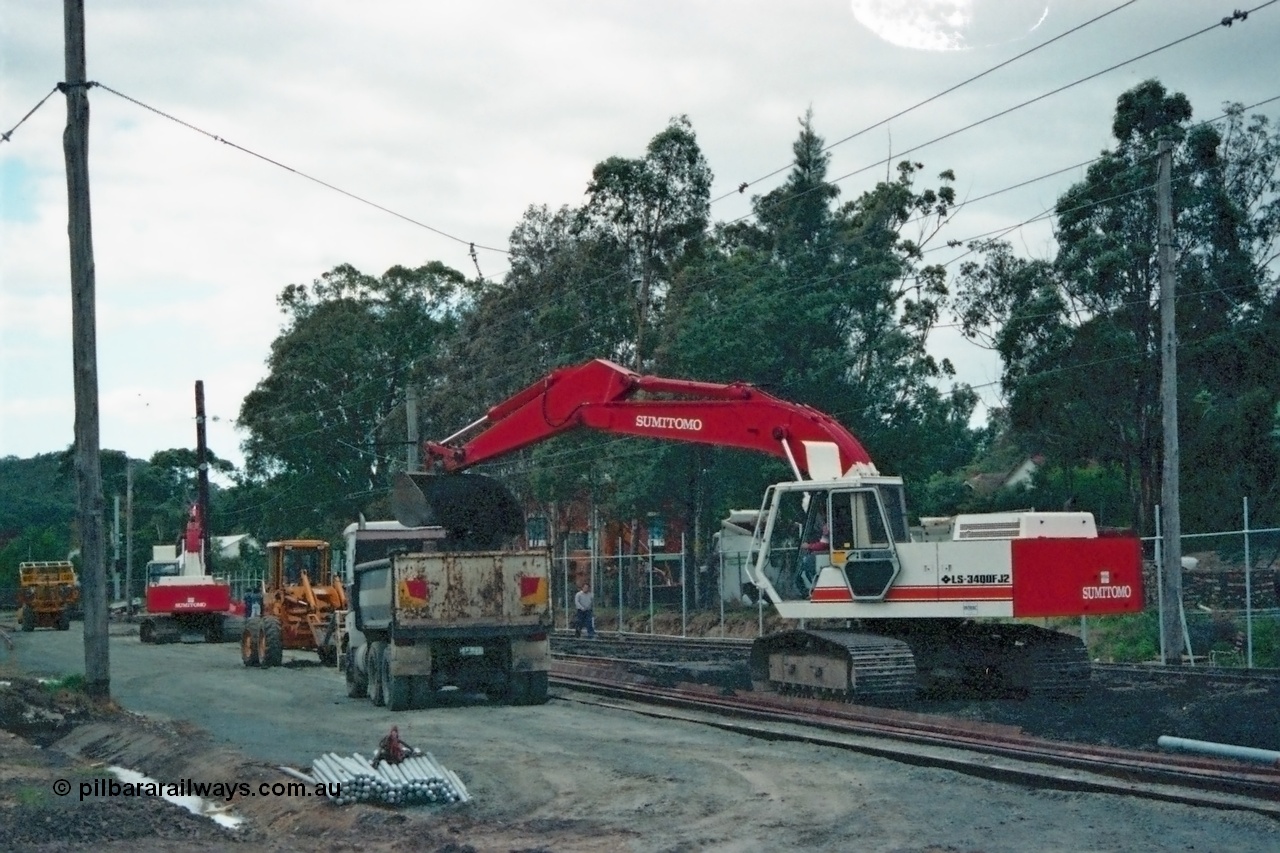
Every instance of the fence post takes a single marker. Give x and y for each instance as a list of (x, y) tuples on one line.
[(564, 564), (1248, 592), (1160, 584), (683, 614), (650, 589), (720, 586)]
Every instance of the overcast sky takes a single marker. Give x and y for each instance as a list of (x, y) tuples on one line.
[(460, 116)]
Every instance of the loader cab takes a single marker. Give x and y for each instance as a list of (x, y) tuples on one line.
[(290, 559)]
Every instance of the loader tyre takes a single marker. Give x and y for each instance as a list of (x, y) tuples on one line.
[(397, 690), (28, 619), (249, 643), (377, 651), (357, 681), (64, 621), (272, 642)]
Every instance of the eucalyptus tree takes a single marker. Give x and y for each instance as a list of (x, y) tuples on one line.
[(326, 425), (1079, 334), (656, 210), (831, 305)]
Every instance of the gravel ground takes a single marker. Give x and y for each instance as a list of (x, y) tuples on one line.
[(567, 776)]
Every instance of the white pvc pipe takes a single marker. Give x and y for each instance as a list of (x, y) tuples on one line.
[(1244, 753)]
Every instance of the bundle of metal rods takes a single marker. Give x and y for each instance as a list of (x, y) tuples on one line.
[(417, 780)]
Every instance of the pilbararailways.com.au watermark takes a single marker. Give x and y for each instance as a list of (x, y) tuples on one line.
[(225, 791)]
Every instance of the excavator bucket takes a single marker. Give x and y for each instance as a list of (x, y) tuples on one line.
[(477, 512)]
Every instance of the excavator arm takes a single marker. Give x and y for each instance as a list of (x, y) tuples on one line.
[(604, 396)]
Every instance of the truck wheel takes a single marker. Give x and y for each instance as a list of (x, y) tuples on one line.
[(527, 688), (357, 681), (272, 642), (374, 663), (28, 619), (64, 621), (397, 690), (249, 643)]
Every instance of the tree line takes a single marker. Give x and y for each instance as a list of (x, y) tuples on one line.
[(824, 301)]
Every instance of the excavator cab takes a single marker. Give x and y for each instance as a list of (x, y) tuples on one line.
[(841, 534)]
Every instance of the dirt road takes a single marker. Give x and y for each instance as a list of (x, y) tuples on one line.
[(572, 776)]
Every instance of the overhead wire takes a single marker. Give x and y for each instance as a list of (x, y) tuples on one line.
[(9, 133), (472, 245), (883, 161), (744, 185)]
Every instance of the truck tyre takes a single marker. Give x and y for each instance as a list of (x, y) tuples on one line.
[(373, 663), (64, 621), (28, 619), (357, 681), (272, 642), (249, 643), (397, 690), (527, 688)]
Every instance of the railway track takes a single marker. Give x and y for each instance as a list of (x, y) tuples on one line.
[(983, 749)]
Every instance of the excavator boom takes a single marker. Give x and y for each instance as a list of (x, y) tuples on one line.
[(604, 396)]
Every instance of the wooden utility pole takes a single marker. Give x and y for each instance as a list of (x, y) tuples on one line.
[(84, 358), (202, 480), (128, 538), (411, 427), (1171, 588)]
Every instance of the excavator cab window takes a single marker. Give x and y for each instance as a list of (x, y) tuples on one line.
[(860, 530)]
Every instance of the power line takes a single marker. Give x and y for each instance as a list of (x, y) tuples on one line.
[(5, 137), (742, 187), (1224, 22), (469, 243)]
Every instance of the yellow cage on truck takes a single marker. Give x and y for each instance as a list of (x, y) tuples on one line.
[(47, 591), (477, 621)]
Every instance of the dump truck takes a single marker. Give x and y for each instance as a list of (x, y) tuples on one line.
[(302, 603), (47, 592), (464, 617)]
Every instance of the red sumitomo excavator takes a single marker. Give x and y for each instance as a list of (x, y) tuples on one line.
[(921, 612)]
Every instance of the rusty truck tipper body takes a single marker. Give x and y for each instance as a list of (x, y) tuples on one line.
[(474, 621), (47, 591)]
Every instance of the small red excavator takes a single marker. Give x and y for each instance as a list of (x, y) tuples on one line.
[(931, 612)]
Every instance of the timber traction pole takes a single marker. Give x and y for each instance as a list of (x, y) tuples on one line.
[(84, 358)]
